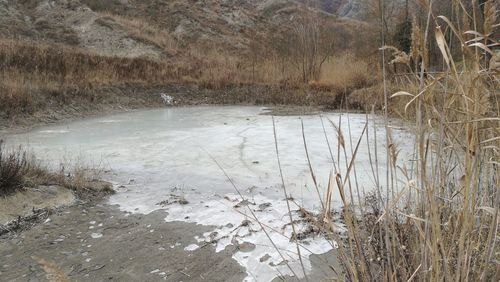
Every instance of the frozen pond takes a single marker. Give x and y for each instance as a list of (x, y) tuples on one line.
[(156, 157)]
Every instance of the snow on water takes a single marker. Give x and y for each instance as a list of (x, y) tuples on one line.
[(163, 159)]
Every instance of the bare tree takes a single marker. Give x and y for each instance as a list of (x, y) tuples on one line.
[(306, 44)]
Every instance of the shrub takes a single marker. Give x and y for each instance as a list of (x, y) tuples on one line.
[(13, 167)]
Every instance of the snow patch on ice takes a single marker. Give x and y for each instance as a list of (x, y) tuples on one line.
[(236, 225)]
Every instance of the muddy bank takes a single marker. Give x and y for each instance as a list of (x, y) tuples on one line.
[(96, 242), (42, 194), (54, 108)]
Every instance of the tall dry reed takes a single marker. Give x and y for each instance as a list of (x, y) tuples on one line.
[(435, 218)]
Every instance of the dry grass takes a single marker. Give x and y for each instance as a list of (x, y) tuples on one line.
[(35, 75), (19, 169), (342, 72), (53, 272), (372, 98), (145, 32), (13, 167), (348, 72), (436, 217), (71, 65)]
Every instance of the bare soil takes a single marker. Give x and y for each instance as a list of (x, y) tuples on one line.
[(26, 202), (97, 242)]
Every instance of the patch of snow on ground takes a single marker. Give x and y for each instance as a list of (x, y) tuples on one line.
[(96, 235), (236, 225), (191, 247)]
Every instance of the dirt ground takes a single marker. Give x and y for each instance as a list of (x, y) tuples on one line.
[(24, 202), (97, 242)]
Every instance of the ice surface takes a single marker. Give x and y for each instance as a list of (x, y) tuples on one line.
[(158, 157)]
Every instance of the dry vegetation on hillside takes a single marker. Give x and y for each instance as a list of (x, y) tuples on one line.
[(39, 71), (68, 75), (34, 75), (303, 55)]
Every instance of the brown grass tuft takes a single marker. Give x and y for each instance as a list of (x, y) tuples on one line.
[(436, 217), (53, 272)]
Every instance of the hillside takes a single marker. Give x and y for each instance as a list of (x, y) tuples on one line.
[(154, 28), (347, 8)]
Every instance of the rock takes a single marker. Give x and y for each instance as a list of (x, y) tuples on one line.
[(172, 200), (246, 247), (246, 222), (264, 206), (183, 201), (242, 204), (213, 235), (264, 258), (283, 262)]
